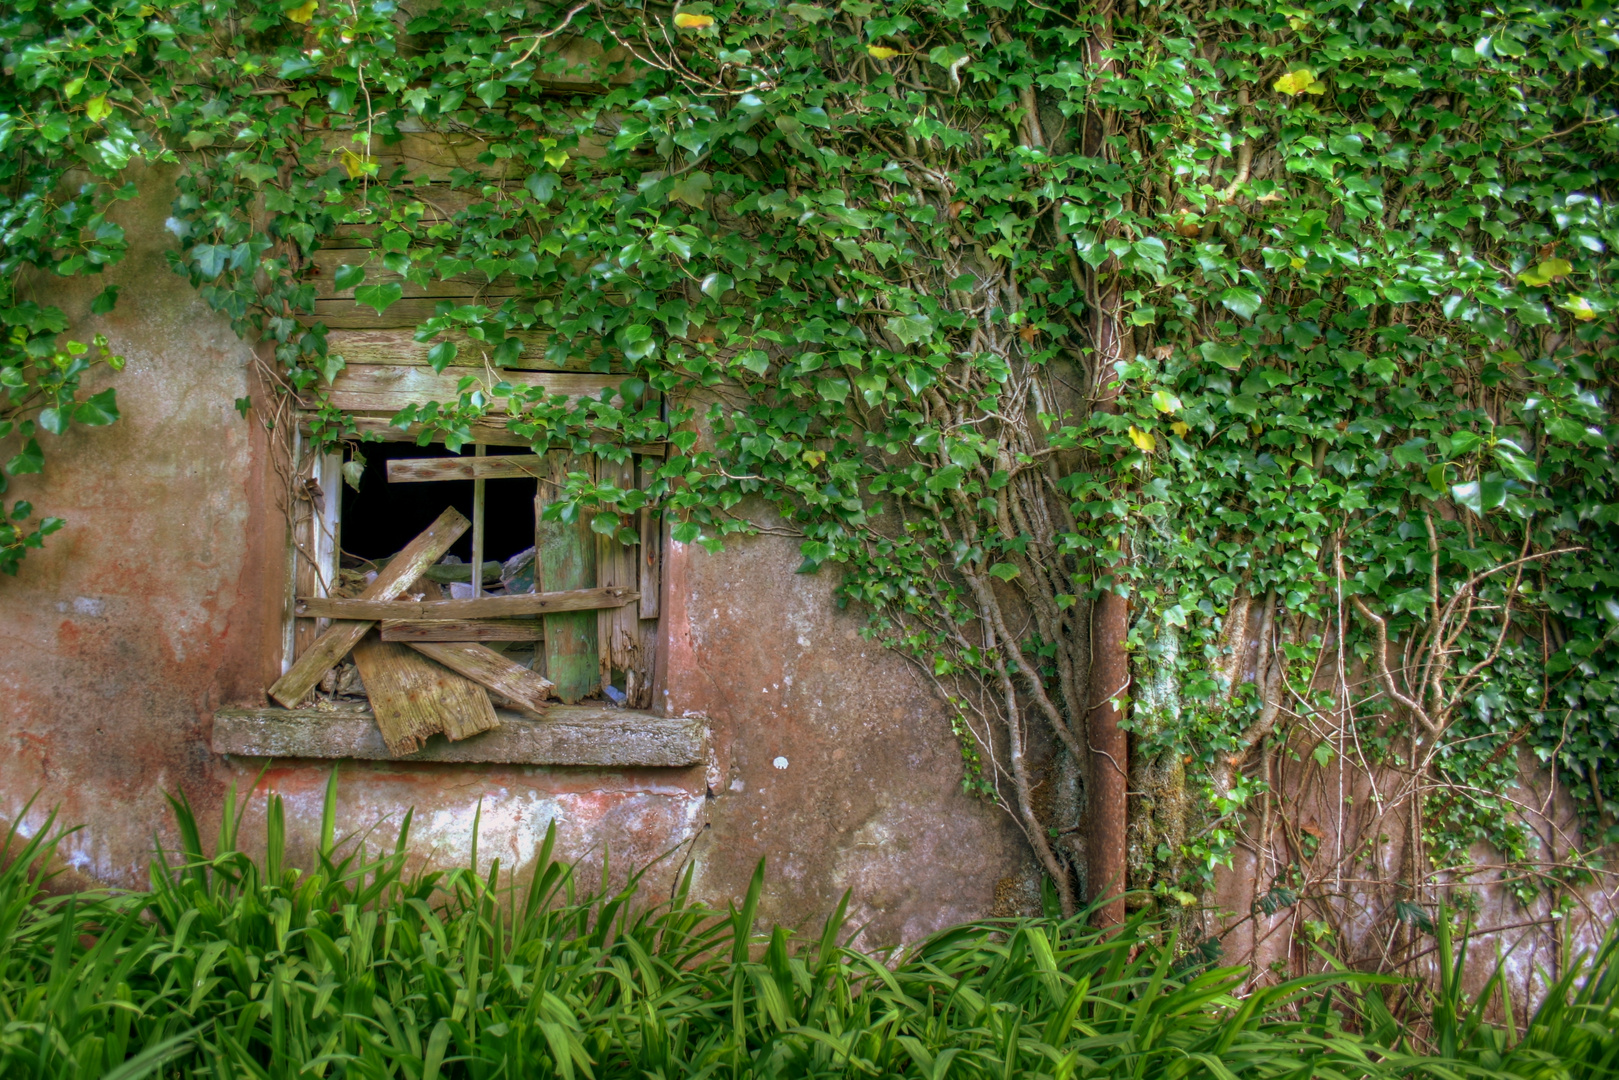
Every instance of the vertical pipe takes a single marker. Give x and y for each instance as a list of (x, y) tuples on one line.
[(1107, 800), (477, 529)]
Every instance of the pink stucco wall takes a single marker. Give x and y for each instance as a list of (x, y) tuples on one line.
[(160, 601)]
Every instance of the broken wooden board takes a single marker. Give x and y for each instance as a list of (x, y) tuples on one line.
[(400, 573), (391, 387), (413, 698), (407, 630), (565, 559), (488, 668), (488, 607)]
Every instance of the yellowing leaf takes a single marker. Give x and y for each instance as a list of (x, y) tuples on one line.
[(1296, 263), (1301, 81), (1579, 307), (1180, 428), (1143, 440), (1297, 23), (1165, 402), (882, 52), (812, 458), (1547, 272), (97, 108), (355, 165), (556, 158), (303, 12), (689, 21)]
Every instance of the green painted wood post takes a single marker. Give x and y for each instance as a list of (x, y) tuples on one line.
[(565, 558)]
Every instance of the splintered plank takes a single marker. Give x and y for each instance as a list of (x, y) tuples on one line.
[(488, 668), (393, 580), (408, 630), (565, 559), (488, 607), (412, 698)]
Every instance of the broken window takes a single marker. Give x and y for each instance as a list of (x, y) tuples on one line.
[(397, 619), (435, 594)]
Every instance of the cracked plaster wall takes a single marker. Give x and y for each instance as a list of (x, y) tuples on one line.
[(160, 601)]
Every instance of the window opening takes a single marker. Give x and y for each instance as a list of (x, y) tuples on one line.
[(382, 517)]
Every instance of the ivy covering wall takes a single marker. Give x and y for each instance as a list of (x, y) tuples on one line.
[(1262, 351)]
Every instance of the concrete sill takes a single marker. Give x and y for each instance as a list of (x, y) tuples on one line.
[(569, 735)]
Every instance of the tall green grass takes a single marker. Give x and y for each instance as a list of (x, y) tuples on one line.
[(229, 967)]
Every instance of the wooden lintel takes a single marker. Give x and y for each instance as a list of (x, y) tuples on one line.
[(489, 607), (501, 467)]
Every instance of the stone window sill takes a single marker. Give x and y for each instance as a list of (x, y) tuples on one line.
[(569, 735)]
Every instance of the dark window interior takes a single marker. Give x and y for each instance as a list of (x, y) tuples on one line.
[(381, 518)]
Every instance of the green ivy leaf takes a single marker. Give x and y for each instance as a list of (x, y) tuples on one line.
[(442, 355), (1004, 570), (347, 277), (692, 189), (1229, 357), (55, 421), (379, 297), (30, 459), (98, 409), (1244, 302), (911, 329)]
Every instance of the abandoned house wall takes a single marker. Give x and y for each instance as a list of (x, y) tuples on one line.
[(161, 601)]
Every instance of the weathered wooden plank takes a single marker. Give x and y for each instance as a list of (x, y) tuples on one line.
[(503, 467), (565, 559), (399, 346), (413, 698), (390, 387), (408, 630), (441, 157), (488, 607), (489, 669), (581, 735), (649, 559), (322, 274), (391, 581), (618, 630), (479, 497), (314, 537), (491, 430), (347, 315)]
